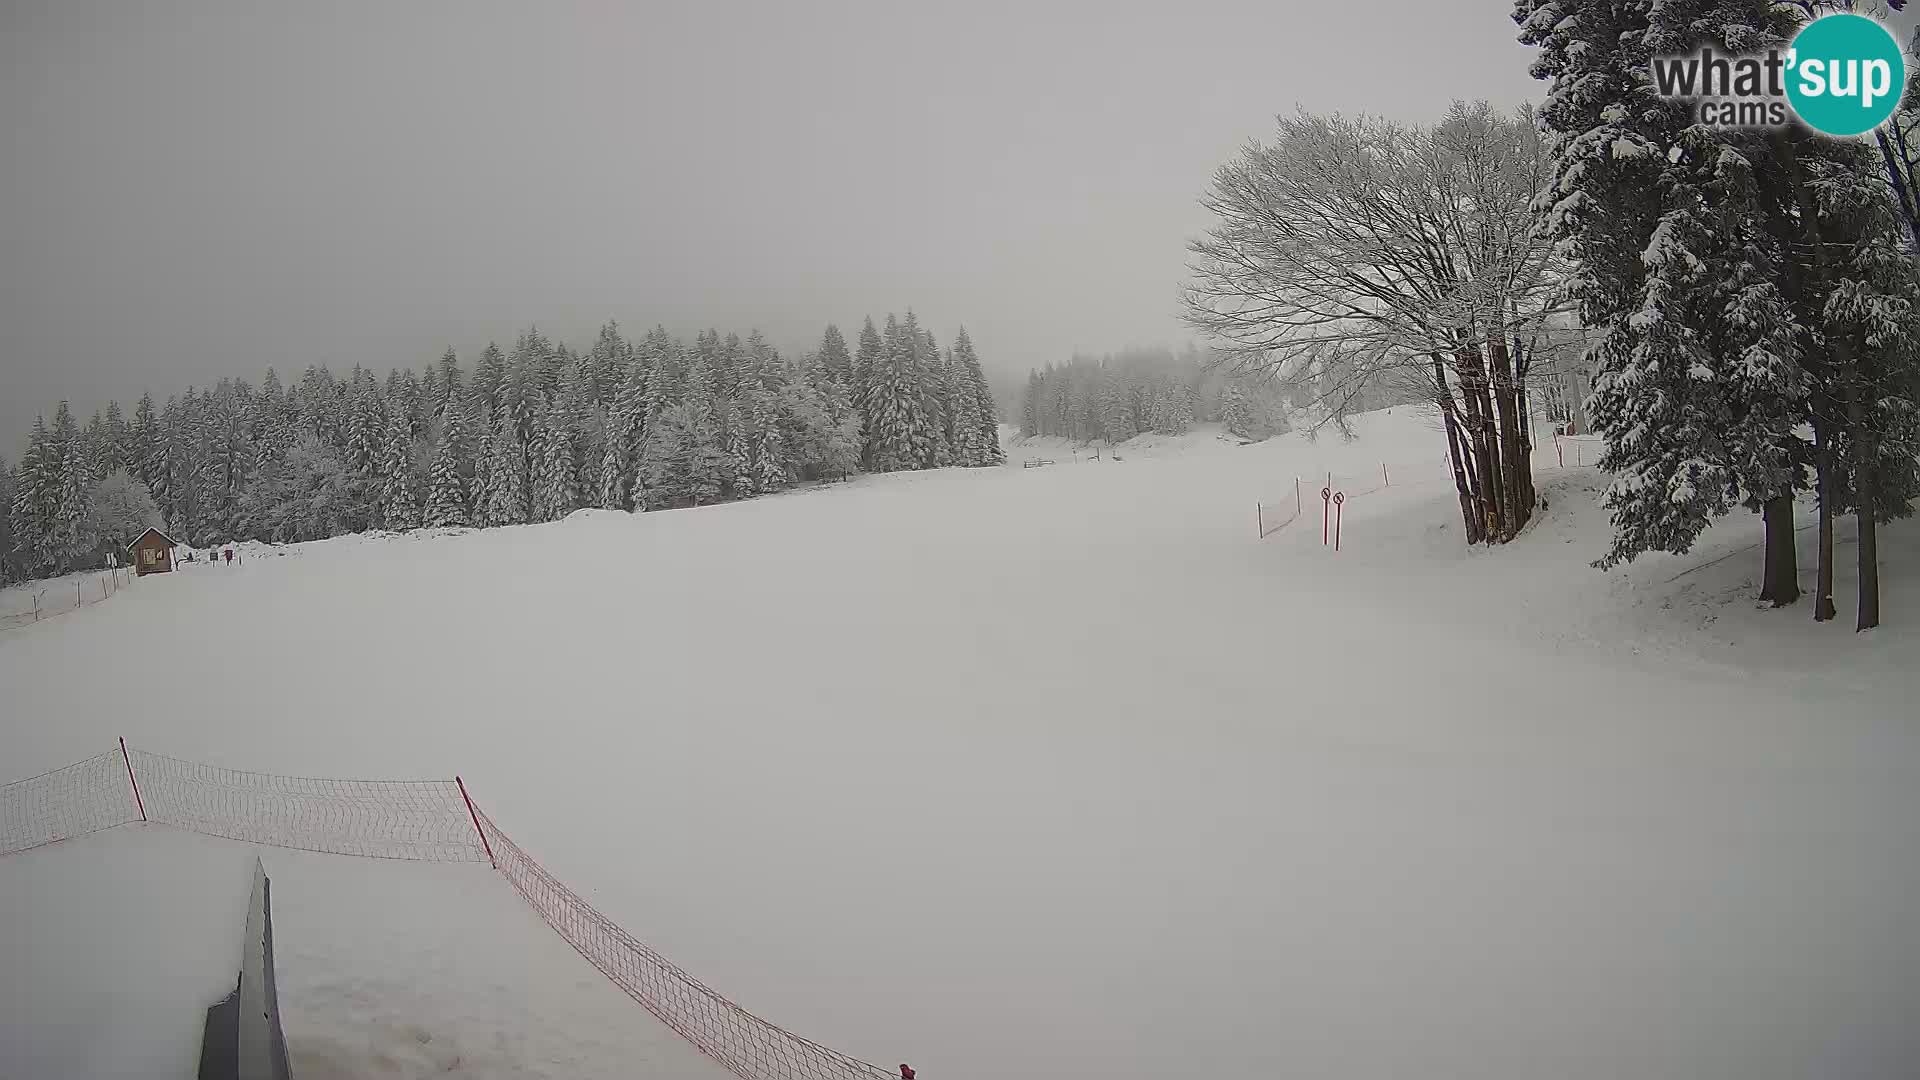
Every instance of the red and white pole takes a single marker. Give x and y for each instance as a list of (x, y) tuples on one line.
[(135, 784), (472, 813)]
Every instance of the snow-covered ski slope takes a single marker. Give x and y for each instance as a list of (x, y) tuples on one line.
[(1030, 773)]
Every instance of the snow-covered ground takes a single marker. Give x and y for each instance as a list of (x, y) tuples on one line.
[(48, 598), (1028, 773)]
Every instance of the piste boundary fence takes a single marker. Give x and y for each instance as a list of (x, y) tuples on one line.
[(413, 820), (50, 599)]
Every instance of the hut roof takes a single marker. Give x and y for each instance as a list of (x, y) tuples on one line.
[(156, 532)]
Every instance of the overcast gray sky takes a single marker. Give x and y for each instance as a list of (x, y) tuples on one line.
[(191, 189)]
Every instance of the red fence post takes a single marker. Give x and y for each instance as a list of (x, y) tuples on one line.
[(137, 801), (488, 848)]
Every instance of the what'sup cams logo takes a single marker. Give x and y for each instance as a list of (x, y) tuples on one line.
[(1842, 75)]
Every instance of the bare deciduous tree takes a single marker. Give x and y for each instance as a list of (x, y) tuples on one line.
[(1358, 256)]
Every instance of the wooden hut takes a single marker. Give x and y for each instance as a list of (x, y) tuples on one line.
[(152, 553)]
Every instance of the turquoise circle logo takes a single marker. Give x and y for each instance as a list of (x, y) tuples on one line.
[(1846, 75)]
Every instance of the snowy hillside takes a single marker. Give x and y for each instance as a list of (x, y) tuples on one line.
[(1023, 773)]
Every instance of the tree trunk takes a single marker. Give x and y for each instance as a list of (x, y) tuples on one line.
[(1823, 465), (1473, 387), (1866, 498), (1780, 584), (1512, 439), (1443, 397), (1468, 516), (1529, 497)]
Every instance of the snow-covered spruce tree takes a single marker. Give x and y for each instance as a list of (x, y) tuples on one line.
[(446, 490), (1854, 270), (556, 481), (867, 363), (897, 425), (1236, 413), (73, 486), (10, 568), (449, 386), (769, 450), (833, 356), (399, 486), (1699, 358), (489, 375), (626, 431), (578, 423), (502, 497), (739, 466), (35, 497), (144, 437)]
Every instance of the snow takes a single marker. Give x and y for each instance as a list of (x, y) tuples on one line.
[(385, 969), (1030, 773)]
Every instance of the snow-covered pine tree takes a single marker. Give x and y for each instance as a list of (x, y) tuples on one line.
[(1696, 388), (10, 567), (489, 376), (1236, 415), (937, 395), (967, 450), (36, 495), (739, 466), (769, 452), (988, 431), (505, 492), (556, 481), (897, 425), (665, 363), (578, 419), (833, 356), (605, 364), (72, 485), (449, 385), (400, 487), (1868, 376), (446, 491), (144, 439), (626, 434), (866, 367)]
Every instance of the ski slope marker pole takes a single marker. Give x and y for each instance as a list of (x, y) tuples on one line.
[(137, 801), (484, 846), (1339, 498), (1326, 495), (1384, 481), (1259, 520)]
